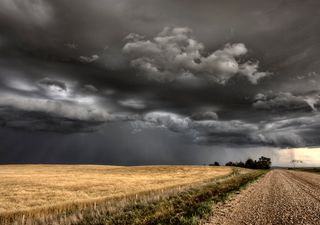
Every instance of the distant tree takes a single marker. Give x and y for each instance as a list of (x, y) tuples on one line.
[(240, 164), (250, 163), (215, 164), (230, 164), (264, 163), (295, 161)]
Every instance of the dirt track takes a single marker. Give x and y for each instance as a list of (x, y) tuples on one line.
[(281, 197)]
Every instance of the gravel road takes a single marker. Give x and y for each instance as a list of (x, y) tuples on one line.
[(281, 197)]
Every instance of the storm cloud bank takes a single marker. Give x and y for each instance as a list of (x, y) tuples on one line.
[(209, 73)]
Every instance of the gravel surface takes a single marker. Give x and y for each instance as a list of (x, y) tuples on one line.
[(280, 197)]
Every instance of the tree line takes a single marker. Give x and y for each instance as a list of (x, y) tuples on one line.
[(262, 163)]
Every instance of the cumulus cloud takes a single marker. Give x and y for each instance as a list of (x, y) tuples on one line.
[(174, 52), (286, 101), (88, 59), (250, 70)]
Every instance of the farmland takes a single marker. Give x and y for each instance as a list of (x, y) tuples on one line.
[(25, 187), (92, 194)]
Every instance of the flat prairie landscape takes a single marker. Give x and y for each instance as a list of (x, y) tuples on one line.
[(25, 187), (110, 195)]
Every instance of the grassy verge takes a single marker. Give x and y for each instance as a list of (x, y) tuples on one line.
[(186, 208)]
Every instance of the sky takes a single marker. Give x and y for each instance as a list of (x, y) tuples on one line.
[(159, 82)]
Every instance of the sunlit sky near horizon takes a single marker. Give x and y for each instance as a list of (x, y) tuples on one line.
[(308, 156)]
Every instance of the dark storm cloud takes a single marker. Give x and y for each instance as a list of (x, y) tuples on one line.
[(54, 105), (232, 72), (43, 121), (167, 148), (38, 12), (51, 115), (279, 131)]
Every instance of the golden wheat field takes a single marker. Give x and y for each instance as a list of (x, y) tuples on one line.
[(25, 187)]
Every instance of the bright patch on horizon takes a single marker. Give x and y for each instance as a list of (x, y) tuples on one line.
[(308, 156)]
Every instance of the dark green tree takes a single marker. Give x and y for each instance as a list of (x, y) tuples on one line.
[(250, 163), (264, 163), (240, 164), (230, 164)]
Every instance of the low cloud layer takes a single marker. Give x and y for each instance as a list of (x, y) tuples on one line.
[(279, 132), (52, 105), (286, 101), (58, 105), (46, 121), (51, 115)]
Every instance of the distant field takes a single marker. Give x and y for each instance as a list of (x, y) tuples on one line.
[(26, 187), (307, 169)]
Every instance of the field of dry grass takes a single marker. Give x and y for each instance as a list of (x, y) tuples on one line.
[(32, 187)]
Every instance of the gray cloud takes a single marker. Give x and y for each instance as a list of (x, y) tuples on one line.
[(47, 121), (48, 83), (18, 83), (174, 52), (89, 59), (90, 88), (51, 105), (28, 12), (60, 108), (250, 70), (133, 103), (286, 101), (207, 115)]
